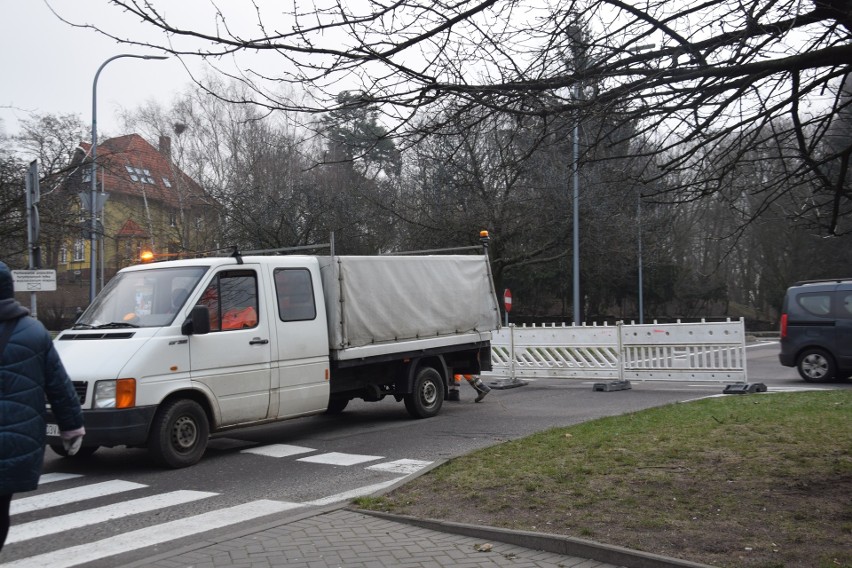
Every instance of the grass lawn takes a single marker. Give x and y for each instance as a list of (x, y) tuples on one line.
[(758, 480)]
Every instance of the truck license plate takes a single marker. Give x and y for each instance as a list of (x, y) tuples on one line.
[(52, 430)]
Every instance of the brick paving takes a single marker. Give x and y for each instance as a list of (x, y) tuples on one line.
[(345, 538)]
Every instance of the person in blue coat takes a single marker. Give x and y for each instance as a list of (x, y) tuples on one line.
[(30, 371)]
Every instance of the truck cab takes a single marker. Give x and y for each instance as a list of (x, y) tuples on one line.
[(262, 355)]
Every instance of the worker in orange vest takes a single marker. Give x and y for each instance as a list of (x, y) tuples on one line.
[(473, 380)]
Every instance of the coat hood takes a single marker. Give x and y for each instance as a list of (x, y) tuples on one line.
[(7, 285), (11, 309)]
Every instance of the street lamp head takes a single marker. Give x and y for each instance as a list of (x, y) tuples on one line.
[(154, 57)]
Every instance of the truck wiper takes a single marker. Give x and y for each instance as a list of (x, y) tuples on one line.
[(82, 326), (115, 324)]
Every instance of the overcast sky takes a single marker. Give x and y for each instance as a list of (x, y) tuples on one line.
[(48, 66)]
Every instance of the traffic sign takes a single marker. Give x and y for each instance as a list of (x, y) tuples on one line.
[(507, 300), (34, 280)]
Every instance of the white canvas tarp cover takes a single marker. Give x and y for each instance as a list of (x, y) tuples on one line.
[(378, 299)]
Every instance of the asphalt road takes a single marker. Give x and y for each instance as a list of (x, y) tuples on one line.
[(315, 461)]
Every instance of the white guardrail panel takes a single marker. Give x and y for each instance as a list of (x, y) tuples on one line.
[(565, 352), (705, 351)]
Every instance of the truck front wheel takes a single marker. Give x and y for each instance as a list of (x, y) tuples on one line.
[(179, 433), (427, 396)]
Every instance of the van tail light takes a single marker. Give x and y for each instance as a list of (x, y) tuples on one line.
[(783, 326)]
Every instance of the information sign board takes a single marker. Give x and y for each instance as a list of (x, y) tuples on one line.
[(34, 280)]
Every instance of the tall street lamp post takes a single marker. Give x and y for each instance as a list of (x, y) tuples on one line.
[(580, 61), (93, 251), (639, 240), (576, 211)]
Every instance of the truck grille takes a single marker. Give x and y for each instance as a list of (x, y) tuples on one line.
[(80, 388)]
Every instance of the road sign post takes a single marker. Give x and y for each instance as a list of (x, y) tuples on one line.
[(33, 196), (507, 303)]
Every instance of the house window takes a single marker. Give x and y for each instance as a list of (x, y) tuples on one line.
[(173, 216), (63, 255), (166, 182), (87, 175), (79, 250), (140, 174)]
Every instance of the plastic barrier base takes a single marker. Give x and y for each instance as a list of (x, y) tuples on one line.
[(744, 388), (612, 386)]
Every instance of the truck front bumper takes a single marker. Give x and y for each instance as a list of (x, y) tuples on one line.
[(111, 426)]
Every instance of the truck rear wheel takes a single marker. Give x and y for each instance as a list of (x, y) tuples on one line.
[(427, 396), (179, 433)]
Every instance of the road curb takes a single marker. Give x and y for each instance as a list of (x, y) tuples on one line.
[(557, 544)]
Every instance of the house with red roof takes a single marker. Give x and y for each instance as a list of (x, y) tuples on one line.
[(148, 205)]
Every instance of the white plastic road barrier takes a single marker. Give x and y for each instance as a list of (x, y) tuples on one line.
[(704, 351)]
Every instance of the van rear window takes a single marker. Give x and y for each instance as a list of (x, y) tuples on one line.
[(295, 294), (818, 304)]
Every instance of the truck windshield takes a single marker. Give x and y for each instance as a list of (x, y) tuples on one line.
[(145, 298)]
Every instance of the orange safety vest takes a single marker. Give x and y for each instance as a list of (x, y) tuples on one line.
[(239, 318)]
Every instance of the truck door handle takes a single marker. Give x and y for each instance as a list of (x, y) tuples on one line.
[(258, 341)]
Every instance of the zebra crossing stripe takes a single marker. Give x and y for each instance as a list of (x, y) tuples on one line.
[(56, 498), (153, 535), (400, 466), (337, 458), (278, 450), (53, 525), (51, 477)]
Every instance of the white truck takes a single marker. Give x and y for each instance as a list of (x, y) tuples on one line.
[(172, 352)]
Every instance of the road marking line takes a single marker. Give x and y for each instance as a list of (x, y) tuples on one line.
[(404, 466), (53, 525), (74, 495), (151, 536), (278, 450), (51, 477), (336, 458), (360, 492)]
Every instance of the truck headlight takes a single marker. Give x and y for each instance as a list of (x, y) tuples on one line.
[(120, 393)]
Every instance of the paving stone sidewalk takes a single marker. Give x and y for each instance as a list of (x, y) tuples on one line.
[(346, 538)]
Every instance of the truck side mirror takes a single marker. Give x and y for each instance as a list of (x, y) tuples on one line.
[(198, 322)]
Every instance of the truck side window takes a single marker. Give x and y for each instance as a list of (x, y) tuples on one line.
[(295, 294), (231, 299)]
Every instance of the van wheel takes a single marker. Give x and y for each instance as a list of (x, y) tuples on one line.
[(179, 433), (428, 394), (82, 453), (815, 366)]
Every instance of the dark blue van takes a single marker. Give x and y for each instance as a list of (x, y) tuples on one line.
[(816, 329)]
